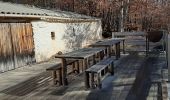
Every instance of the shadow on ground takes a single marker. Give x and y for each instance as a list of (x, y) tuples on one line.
[(133, 80)]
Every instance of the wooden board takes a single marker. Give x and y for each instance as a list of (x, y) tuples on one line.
[(116, 34), (109, 42), (101, 65), (81, 53), (22, 38), (34, 86), (6, 48), (16, 45)]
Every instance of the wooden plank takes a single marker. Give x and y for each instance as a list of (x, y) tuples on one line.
[(107, 42), (22, 39), (54, 67), (120, 39), (17, 46), (117, 34), (38, 89), (164, 91), (100, 66), (81, 53), (58, 65), (6, 48)]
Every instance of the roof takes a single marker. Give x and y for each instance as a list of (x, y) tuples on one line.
[(19, 10)]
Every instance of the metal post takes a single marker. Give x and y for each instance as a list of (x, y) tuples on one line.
[(168, 56), (146, 45)]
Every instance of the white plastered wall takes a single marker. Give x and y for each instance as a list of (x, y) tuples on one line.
[(68, 37)]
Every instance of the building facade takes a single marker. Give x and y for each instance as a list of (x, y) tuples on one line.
[(30, 34)]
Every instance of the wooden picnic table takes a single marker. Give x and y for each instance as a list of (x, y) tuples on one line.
[(123, 43), (143, 34), (118, 34), (109, 43), (81, 54)]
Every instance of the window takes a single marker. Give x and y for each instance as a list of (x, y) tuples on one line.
[(53, 35)]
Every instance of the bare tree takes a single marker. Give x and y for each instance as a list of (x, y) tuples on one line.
[(116, 15)]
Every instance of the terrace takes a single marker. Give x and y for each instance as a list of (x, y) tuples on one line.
[(139, 74)]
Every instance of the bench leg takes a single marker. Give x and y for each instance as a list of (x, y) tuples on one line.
[(112, 68), (92, 80), (54, 77), (60, 77), (99, 81), (73, 67), (87, 85), (78, 67), (106, 70)]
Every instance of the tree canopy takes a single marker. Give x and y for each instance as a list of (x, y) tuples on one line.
[(116, 15)]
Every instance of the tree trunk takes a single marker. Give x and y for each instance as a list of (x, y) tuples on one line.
[(121, 26), (126, 10)]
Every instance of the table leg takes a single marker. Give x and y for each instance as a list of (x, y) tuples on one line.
[(112, 68), (54, 77), (109, 51), (73, 67), (146, 46), (60, 77), (64, 71), (123, 46), (87, 85), (85, 63), (99, 81), (118, 50), (94, 60), (78, 67), (92, 80), (101, 55), (106, 51)]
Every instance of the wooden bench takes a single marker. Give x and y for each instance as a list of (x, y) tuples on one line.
[(56, 70), (97, 70)]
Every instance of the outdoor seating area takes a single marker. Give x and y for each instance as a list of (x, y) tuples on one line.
[(101, 49), (97, 57), (106, 65), (84, 50)]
